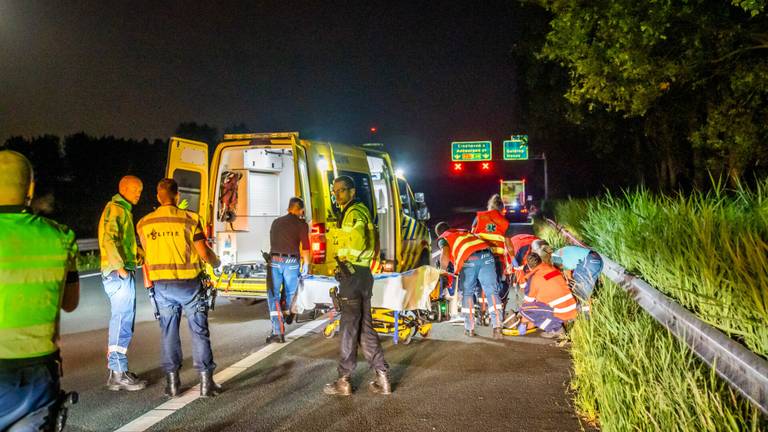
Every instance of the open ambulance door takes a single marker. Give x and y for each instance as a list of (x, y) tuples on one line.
[(188, 165)]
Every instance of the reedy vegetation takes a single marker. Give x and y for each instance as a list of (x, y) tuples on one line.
[(707, 251)]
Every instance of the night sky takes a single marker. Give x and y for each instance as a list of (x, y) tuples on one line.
[(423, 73)]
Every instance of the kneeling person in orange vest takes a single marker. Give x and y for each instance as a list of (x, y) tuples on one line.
[(473, 260), (549, 302), (175, 249)]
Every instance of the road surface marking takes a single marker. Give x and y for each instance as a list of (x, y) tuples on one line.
[(89, 275), (156, 415)]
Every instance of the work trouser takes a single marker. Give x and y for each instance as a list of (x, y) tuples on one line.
[(356, 323), (585, 275), (122, 300), (480, 268), (29, 389), (173, 296), (541, 315), (284, 274)]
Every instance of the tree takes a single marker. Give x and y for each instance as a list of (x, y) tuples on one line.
[(694, 72), (198, 132)]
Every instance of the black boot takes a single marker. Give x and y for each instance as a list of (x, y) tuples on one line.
[(172, 384), (275, 338), (340, 387), (207, 386), (381, 384), (124, 381)]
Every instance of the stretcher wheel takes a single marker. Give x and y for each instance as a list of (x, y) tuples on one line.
[(330, 330), (425, 330), (406, 336)]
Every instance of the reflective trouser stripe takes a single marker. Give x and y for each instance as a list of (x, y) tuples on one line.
[(117, 348), (274, 313), (530, 299), (545, 324)]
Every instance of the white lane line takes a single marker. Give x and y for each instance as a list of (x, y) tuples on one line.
[(149, 419), (89, 275)]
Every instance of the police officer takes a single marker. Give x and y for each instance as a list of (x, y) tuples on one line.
[(356, 242), (118, 252), (472, 258), (38, 276), (288, 237), (175, 247)]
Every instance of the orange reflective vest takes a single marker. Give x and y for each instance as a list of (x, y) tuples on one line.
[(462, 244), (547, 285), (491, 226)]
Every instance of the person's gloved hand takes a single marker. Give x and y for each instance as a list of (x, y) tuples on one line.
[(184, 204)]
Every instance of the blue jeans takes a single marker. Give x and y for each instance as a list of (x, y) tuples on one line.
[(27, 397), (171, 298), (585, 275), (122, 298), (480, 267), (284, 273)]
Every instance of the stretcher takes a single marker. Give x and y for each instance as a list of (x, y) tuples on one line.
[(400, 304)]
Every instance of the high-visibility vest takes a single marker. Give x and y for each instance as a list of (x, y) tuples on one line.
[(547, 285), (462, 244), (36, 254), (491, 226), (167, 236), (357, 237)]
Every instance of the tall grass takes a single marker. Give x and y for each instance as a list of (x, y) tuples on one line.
[(88, 261), (709, 252), (632, 374)]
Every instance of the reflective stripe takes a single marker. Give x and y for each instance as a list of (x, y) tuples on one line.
[(499, 307), (546, 323), (463, 246), (530, 299), (585, 308), (28, 341), (187, 266), (117, 348), (274, 313), (33, 275), (562, 299), (565, 309), (465, 310)]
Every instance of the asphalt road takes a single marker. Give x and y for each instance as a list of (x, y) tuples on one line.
[(446, 382)]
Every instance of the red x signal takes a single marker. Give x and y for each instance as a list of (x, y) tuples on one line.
[(457, 167)]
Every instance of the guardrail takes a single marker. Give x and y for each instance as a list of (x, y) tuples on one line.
[(743, 370), (89, 244)]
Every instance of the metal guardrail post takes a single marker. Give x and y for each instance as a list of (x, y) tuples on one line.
[(88, 244), (743, 370)]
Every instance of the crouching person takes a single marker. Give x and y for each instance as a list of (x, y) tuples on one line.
[(584, 266), (175, 249), (548, 302)]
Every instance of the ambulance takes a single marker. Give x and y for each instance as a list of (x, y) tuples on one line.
[(252, 176)]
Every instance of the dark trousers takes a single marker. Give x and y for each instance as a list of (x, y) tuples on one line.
[(172, 297), (357, 324), (28, 395)]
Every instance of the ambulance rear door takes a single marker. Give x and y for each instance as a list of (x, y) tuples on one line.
[(188, 165)]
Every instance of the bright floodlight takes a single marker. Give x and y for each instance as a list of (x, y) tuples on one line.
[(400, 173)]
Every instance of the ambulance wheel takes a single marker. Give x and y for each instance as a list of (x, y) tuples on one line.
[(405, 337)]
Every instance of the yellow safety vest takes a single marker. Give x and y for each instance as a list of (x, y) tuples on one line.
[(357, 239), (35, 256), (167, 236)]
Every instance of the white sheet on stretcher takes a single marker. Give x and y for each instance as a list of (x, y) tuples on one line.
[(397, 291)]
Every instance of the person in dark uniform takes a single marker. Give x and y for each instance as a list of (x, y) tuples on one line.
[(356, 239), (288, 237)]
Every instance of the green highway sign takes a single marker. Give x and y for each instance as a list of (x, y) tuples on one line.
[(471, 151), (516, 148)]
